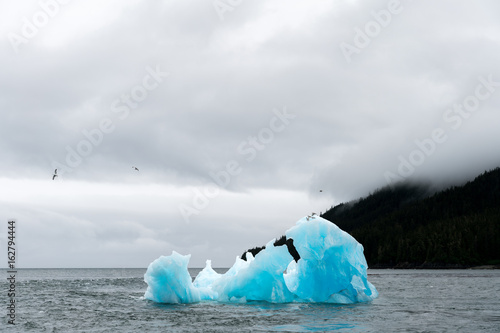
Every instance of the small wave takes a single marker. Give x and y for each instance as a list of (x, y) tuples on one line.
[(137, 298)]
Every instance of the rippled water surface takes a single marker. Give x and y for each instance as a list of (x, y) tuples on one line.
[(110, 300)]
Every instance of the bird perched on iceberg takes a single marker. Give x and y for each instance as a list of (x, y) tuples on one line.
[(312, 216)]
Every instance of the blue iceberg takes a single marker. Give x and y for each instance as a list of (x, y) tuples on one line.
[(331, 268)]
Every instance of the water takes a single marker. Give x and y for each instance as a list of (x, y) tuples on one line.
[(110, 300)]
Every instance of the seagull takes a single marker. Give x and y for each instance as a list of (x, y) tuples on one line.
[(312, 216), (55, 174), (135, 168)]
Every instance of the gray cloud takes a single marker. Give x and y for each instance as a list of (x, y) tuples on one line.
[(354, 120)]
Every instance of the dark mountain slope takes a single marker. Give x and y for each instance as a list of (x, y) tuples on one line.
[(408, 226)]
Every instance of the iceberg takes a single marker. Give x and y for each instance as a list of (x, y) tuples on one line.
[(331, 269)]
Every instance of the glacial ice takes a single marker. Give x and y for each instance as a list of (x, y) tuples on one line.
[(331, 268)]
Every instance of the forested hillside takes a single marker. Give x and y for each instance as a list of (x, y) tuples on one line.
[(408, 226)]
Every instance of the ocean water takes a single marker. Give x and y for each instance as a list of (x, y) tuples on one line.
[(110, 300)]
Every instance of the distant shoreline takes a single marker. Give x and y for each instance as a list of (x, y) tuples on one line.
[(432, 266), (398, 266)]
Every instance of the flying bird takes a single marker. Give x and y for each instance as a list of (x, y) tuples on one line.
[(321, 190), (55, 174), (135, 168)]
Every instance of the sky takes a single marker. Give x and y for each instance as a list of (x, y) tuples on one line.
[(241, 116)]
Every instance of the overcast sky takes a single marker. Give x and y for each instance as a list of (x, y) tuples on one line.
[(236, 113)]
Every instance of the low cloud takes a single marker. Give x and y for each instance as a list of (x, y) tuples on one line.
[(355, 120)]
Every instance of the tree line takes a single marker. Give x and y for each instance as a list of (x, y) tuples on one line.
[(408, 225)]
